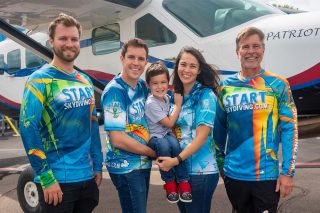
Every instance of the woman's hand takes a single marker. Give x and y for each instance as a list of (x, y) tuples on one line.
[(166, 163)]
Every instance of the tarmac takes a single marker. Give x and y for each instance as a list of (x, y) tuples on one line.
[(304, 198)]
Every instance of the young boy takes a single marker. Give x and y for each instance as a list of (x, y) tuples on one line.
[(160, 122)]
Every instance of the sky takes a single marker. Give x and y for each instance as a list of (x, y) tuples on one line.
[(307, 5)]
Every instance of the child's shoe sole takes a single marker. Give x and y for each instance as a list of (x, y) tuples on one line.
[(185, 201)]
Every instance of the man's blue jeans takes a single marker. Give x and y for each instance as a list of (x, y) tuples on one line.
[(133, 190), (169, 146), (202, 188)]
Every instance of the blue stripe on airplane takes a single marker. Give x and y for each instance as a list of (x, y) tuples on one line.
[(85, 43), (28, 71), (88, 42), (225, 72), (304, 85), (169, 64)]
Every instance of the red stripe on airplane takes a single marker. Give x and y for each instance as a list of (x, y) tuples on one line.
[(100, 75), (307, 76), (9, 102)]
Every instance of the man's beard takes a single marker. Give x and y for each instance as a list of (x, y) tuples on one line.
[(59, 54)]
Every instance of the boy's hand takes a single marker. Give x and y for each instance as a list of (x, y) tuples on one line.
[(178, 99)]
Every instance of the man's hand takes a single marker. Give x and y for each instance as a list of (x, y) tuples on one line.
[(284, 184), (98, 178), (53, 194), (166, 163)]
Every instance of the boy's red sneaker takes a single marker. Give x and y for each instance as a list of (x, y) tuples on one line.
[(184, 190), (171, 190)]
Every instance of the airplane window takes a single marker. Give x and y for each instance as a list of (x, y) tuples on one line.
[(209, 17), (106, 39), (14, 61), (131, 3), (153, 32), (48, 45), (1, 64), (32, 60)]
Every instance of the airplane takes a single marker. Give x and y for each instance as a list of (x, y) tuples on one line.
[(292, 41)]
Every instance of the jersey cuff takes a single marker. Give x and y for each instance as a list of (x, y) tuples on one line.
[(208, 124), (286, 174), (114, 129), (97, 168), (47, 179)]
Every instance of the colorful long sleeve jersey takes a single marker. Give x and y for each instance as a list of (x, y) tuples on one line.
[(254, 115), (59, 126), (124, 111), (198, 108)]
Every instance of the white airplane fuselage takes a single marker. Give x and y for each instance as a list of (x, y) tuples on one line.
[(292, 48)]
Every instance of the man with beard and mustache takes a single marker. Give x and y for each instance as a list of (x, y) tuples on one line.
[(59, 126), (255, 112)]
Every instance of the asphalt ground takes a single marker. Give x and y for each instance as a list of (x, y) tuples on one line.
[(304, 198)]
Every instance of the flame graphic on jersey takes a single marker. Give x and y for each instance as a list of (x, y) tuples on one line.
[(38, 153), (272, 154), (176, 130), (138, 130), (82, 79)]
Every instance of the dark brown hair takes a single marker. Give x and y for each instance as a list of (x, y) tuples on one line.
[(135, 42), (208, 75), (155, 69)]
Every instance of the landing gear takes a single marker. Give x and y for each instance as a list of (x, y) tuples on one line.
[(27, 192)]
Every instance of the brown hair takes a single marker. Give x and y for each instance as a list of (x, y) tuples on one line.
[(247, 32), (155, 69), (135, 42), (65, 20)]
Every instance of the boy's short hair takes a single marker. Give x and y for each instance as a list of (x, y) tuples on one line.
[(155, 69)]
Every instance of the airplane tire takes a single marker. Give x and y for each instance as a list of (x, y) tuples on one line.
[(27, 192)]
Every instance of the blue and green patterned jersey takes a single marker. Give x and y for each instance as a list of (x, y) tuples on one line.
[(59, 126), (124, 111), (253, 116), (198, 108)]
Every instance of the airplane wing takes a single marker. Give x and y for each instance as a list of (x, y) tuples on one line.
[(36, 14), (41, 51)]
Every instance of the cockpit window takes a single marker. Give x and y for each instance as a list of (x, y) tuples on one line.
[(153, 32), (209, 17)]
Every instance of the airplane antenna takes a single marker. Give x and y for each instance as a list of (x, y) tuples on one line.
[(31, 30)]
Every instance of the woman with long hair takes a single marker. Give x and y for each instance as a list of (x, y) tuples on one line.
[(197, 81)]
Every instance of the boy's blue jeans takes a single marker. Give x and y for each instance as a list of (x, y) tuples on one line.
[(169, 146)]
